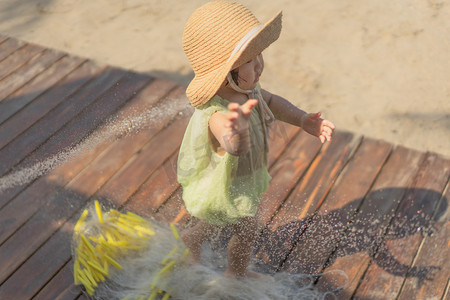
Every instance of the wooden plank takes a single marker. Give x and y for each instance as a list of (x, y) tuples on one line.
[(37, 86), (99, 180), (41, 226), (316, 244), (3, 38), (158, 179), (405, 233), (20, 148), (40, 266), (126, 182), (280, 135), (318, 180), (18, 58), (315, 184), (41, 106), (434, 251), (79, 128), (14, 152), (9, 46), (146, 97), (27, 72), (286, 172), (361, 238), (61, 287), (156, 190), (173, 210), (16, 212)]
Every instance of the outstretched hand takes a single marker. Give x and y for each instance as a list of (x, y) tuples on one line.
[(238, 117), (315, 125)]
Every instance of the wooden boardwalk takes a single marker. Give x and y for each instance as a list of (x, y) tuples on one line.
[(72, 131)]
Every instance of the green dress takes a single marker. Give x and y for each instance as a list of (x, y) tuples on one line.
[(221, 189)]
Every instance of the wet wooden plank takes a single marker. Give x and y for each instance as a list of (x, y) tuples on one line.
[(153, 193), (16, 212), (116, 153), (434, 251), (144, 202), (405, 233), (173, 210), (14, 152), (128, 180), (286, 172), (311, 191), (18, 58), (317, 243), (308, 195), (77, 129), (26, 203), (101, 181), (361, 238), (42, 225), (46, 127)]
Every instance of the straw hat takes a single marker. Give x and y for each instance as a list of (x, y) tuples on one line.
[(219, 37)]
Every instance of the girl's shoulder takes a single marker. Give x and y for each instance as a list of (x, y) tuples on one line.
[(215, 104)]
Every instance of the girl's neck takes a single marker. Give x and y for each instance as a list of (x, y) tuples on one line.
[(226, 92)]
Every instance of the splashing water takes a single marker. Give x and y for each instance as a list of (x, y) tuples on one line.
[(113, 129), (146, 266)]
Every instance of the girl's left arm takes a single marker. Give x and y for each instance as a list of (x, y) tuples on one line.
[(285, 111)]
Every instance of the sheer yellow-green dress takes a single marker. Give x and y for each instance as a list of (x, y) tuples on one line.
[(222, 188)]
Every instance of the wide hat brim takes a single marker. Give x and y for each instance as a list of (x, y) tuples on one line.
[(202, 88)]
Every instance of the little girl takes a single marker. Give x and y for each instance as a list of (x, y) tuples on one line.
[(222, 164)]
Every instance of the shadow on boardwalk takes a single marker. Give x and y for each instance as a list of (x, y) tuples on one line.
[(325, 237), (343, 232)]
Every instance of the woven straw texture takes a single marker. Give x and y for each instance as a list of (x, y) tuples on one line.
[(210, 36)]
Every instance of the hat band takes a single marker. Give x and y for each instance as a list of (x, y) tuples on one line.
[(245, 40)]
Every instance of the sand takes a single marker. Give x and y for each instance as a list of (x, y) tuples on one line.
[(379, 68)]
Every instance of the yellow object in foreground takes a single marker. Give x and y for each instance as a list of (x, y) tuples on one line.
[(110, 236), (102, 240)]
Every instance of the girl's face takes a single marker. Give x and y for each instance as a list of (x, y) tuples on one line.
[(250, 72)]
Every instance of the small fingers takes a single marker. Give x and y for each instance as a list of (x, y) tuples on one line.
[(232, 116), (327, 130), (233, 106), (328, 124), (325, 135), (322, 139), (247, 107)]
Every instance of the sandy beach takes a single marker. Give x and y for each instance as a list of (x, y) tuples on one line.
[(380, 68)]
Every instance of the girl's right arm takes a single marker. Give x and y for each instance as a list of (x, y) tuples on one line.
[(231, 129)]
